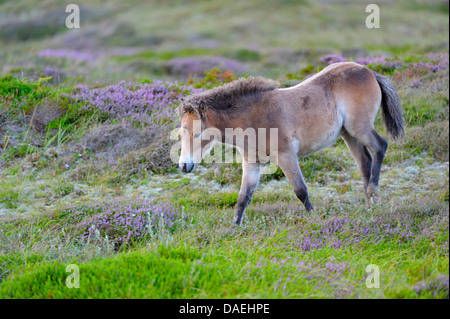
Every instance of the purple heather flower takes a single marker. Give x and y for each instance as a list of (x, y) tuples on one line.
[(332, 58), (123, 221), (134, 100), (67, 54)]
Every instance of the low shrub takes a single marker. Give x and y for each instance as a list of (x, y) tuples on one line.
[(134, 100), (128, 221), (433, 139)]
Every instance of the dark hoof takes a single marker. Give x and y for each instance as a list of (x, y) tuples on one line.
[(308, 206)]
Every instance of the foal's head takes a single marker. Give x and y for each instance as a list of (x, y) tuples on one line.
[(200, 113), (196, 139)]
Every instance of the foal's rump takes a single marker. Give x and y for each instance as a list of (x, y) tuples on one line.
[(360, 92), (342, 97), (358, 98)]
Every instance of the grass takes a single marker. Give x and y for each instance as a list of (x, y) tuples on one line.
[(245, 265), (164, 55), (9, 198)]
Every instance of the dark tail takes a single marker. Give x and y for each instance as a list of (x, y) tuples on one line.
[(392, 108)]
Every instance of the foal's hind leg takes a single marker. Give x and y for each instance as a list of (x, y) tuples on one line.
[(362, 157), (377, 147), (288, 162)]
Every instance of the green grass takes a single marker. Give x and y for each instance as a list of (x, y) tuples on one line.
[(245, 55), (240, 269), (164, 55), (9, 198), (22, 93)]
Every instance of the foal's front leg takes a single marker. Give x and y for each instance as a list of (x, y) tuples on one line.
[(250, 179)]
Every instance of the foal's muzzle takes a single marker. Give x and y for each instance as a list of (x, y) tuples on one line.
[(187, 167)]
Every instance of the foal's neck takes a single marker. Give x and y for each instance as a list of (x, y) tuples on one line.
[(216, 120)]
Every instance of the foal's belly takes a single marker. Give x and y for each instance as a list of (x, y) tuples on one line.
[(307, 143)]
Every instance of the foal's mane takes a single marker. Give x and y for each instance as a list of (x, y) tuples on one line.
[(226, 97)]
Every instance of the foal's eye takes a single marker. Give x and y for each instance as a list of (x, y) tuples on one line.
[(197, 135)]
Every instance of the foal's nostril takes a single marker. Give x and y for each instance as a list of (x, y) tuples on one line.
[(187, 167)]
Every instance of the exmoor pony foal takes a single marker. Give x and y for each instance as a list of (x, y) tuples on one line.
[(341, 100)]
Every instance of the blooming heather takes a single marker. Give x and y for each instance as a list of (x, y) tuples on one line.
[(125, 221), (67, 54), (432, 62), (416, 84), (191, 66), (401, 226), (134, 100), (342, 232), (439, 285), (333, 58)]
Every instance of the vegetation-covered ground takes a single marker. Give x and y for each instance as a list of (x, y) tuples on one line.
[(86, 176)]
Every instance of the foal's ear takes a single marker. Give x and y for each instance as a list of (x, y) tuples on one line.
[(202, 108)]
